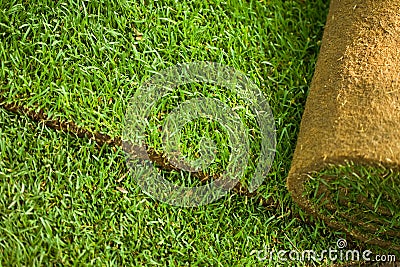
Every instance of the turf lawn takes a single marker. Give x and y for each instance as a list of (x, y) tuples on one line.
[(64, 201)]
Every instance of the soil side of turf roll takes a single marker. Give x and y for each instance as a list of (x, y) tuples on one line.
[(352, 113)]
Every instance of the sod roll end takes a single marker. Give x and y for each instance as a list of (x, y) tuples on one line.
[(346, 164)]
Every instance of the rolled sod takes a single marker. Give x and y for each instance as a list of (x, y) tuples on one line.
[(346, 165)]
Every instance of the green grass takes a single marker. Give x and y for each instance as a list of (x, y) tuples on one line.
[(360, 199), (82, 61)]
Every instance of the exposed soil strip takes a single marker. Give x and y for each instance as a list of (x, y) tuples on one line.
[(103, 139)]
